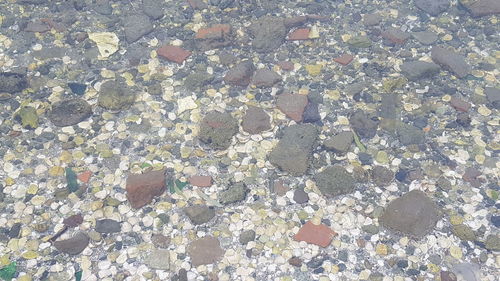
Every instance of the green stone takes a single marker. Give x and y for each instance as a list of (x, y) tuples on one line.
[(28, 117), (359, 42), (464, 232)]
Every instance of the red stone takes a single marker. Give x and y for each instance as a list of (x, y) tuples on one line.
[(142, 188), (201, 181), (459, 104), (344, 59), (293, 105), (173, 53), (299, 34), (215, 31), (286, 65), (85, 176), (320, 235)]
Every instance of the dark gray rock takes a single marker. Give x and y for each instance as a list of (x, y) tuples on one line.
[(247, 236), (199, 214), (482, 8), (103, 7), (340, 142), (389, 106), (233, 194), (372, 19), (69, 112), (425, 37), (492, 242), (115, 95), (265, 78), (433, 7), (73, 245), (300, 196), (382, 176), (334, 181), (493, 96), (107, 226), (136, 26), (415, 70), (450, 61), (255, 120), (241, 74), (269, 33), (11, 82), (293, 152), (364, 126), (217, 129), (153, 8), (413, 214), (409, 134)]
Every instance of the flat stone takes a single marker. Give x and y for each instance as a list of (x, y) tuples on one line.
[(265, 78), (334, 181), (425, 37), (300, 196), (237, 192), (158, 259), (415, 70), (493, 96), (286, 65), (340, 142), (215, 36), (136, 26), (372, 19), (395, 35), (412, 214), (320, 235), (268, 33), (280, 188), (107, 226), (292, 105), (344, 59), (115, 95), (459, 104), (492, 242), (153, 8), (173, 53), (216, 30), (382, 176), (247, 236), (142, 188), (199, 214), (201, 181), (69, 112), (74, 245), (311, 113), (255, 120), (433, 7), (409, 134), (160, 240), (241, 74), (11, 82), (364, 126), (217, 129), (482, 8), (450, 61), (205, 250), (299, 34)]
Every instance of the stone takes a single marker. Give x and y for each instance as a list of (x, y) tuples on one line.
[(217, 129), (268, 33), (300, 196), (364, 126), (107, 226), (280, 188), (158, 259), (334, 181), (340, 142), (69, 112), (295, 261), (416, 70), (237, 192), (201, 181), (136, 26), (74, 245), (142, 188), (115, 95), (77, 88), (199, 214), (255, 120), (395, 36), (215, 36), (320, 235), (382, 176), (247, 236), (205, 250), (451, 61), (311, 113), (433, 7), (160, 240), (344, 59), (359, 42), (447, 276), (11, 82), (372, 19), (292, 105), (173, 53), (293, 151), (481, 8), (492, 242), (409, 134), (412, 214), (241, 74), (299, 34), (28, 117), (464, 232), (286, 65), (153, 8), (425, 37), (459, 104), (265, 78), (493, 96)]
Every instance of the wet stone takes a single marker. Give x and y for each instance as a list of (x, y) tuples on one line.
[(205, 250), (395, 36), (492, 242), (295, 261), (69, 112), (77, 88), (412, 214), (173, 53), (160, 240), (115, 95), (300, 196), (233, 194), (311, 113), (382, 176), (340, 142), (482, 8), (268, 34), (256, 120), (372, 19), (425, 37), (74, 245), (493, 96), (199, 214), (364, 126), (153, 8), (293, 105), (136, 26), (464, 232), (433, 7), (241, 74), (107, 226), (416, 70), (409, 134), (334, 181), (217, 129), (320, 235), (142, 188), (451, 61), (158, 259), (447, 276), (247, 236), (265, 78)]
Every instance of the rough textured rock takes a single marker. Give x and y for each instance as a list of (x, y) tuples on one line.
[(205, 250), (217, 129), (11, 82), (215, 36), (256, 120), (247, 236), (293, 105), (241, 74), (364, 126), (141, 189), (115, 95), (153, 8), (409, 134), (450, 61), (340, 142), (265, 78), (481, 8), (158, 259), (413, 214), (69, 112), (382, 176), (294, 150), (493, 96), (433, 7), (334, 181), (492, 242), (415, 70), (320, 235), (107, 226), (199, 214), (73, 245), (136, 26), (237, 192), (425, 37), (269, 33)]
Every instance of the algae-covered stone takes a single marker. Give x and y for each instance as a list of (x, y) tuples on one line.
[(359, 42), (199, 214), (69, 112), (464, 232), (217, 129), (235, 193), (11, 82), (28, 117), (115, 95), (492, 242), (334, 181)]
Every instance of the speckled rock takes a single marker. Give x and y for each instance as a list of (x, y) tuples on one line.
[(115, 95), (334, 181), (340, 142), (464, 232), (217, 129), (256, 120), (247, 236), (142, 188), (492, 242), (415, 70), (237, 192), (241, 74), (73, 245), (205, 250), (158, 259), (199, 214), (382, 176), (268, 33), (451, 61), (69, 112)]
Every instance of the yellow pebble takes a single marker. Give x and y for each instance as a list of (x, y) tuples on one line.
[(483, 110), (334, 269), (56, 171), (314, 69), (9, 181), (29, 255), (456, 252), (447, 37), (456, 220), (433, 268), (381, 249), (24, 278)]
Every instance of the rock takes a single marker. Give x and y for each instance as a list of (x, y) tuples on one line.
[(280, 188), (334, 181), (492, 242), (415, 70), (292, 105), (425, 37), (11, 82), (493, 96), (482, 8), (311, 113), (433, 7), (409, 134), (107, 226), (447, 276), (459, 104), (466, 272), (320, 235), (217, 129), (74, 245), (464, 232), (451, 61), (247, 236), (216, 36), (359, 42), (201, 181), (300, 196), (364, 126), (115, 95), (344, 59), (196, 80), (382, 176), (372, 19), (28, 117), (158, 259), (233, 194), (293, 151), (269, 33), (395, 36), (69, 112), (389, 109), (77, 88), (142, 188), (199, 214), (153, 8), (160, 240), (340, 142), (265, 78), (240, 74), (205, 250), (495, 220), (173, 53), (299, 34), (412, 214), (286, 65), (256, 120), (295, 261), (136, 26)]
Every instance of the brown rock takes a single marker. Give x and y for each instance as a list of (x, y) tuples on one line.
[(255, 120), (344, 59), (73, 245), (205, 250), (201, 181), (265, 78), (295, 21), (471, 176), (320, 235), (286, 65), (299, 34), (160, 240), (141, 189), (292, 105), (215, 31), (295, 261), (448, 276), (280, 188), (240, 74), (173, 53), (395, 35), (459, 104)]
